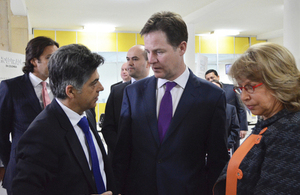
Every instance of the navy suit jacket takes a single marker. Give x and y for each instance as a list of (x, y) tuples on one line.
[(143, 165), (232, 125), (19, 106), (50, 158), (112, 115), (233, 99), (120, 82)]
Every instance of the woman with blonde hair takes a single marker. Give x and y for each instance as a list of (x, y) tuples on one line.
[(268, 162)]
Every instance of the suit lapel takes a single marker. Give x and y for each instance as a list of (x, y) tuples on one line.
[(26, 88), (189, 96), (74, 144), (149, 97)]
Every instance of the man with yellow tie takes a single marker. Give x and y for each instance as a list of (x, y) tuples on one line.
[(21, 100)]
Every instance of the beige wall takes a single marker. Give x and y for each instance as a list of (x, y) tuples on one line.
[(13, 30), (5, 14), (19, 34)]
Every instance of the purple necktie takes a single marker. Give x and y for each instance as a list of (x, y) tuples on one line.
[(84, 125), (165, 111)]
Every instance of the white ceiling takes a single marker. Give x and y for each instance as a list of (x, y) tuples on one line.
[(262, 18)]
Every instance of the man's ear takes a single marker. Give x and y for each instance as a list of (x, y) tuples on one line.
[(182, 47), (34, 61), (148, 64), (70, 91)]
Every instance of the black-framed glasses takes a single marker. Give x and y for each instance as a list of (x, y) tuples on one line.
[(248, 88)]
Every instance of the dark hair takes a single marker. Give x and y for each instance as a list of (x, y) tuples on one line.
[(212, 70), (171, 24), (71, 65), (34, 49), (218, 82)]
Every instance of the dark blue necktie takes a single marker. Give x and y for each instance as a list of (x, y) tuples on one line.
[(165, 111), (84, 125)]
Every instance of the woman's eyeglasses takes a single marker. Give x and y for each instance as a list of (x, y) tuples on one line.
[(248, 88)]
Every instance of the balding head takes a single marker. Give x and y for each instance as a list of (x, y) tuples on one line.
[(124, 73), (137, 61)]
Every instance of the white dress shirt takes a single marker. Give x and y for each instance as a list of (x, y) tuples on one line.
[(176, 92), (132, 80), (74, 119), (37, 86)]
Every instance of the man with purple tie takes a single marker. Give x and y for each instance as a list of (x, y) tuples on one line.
[(170, 122)]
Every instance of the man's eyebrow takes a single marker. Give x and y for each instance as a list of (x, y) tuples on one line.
[(95, 81)]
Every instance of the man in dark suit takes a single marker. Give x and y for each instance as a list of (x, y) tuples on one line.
[(232, 121), (21, 101), (57, 155), (233, 99), (2, 171), (138, 68), (153, 156), (124, 75)]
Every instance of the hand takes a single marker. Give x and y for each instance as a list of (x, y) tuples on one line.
[(243, 133), (2, 171), (105, 193)]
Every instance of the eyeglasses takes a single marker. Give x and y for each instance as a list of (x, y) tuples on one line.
[(248, 88)]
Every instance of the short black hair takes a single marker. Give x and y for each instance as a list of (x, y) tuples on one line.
[(71, 65), (212, 70)]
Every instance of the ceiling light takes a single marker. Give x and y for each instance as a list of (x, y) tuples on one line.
[(225, 32), (99, 28)]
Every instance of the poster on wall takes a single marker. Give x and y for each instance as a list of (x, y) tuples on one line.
[(201, 65), (11, 64), (227, 68)]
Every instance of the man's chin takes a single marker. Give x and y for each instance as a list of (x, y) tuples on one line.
[(159, 75)]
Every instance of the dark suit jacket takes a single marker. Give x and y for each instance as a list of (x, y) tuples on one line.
[(112, 115), (145, 166), (233, 99), (115, 84), (50, 158), (232, 125), (19, 105)]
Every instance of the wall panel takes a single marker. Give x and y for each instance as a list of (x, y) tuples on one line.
[(107, 42), (208, 44), (89, 39), (241, 44), (226, 45), (66, 37), (126, 41), (46, 33)]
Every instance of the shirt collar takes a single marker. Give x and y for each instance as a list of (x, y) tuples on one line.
[(181, 80), (132, 80), (36, 80), (74, 117)]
